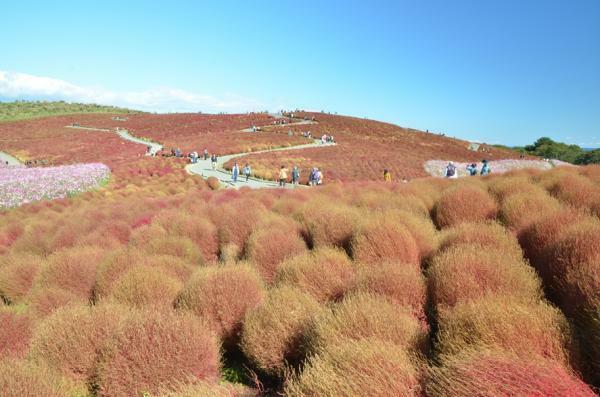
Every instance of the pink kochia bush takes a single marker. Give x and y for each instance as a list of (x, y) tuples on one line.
[(20, 185)]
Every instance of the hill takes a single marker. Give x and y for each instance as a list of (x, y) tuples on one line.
[(22, 110)]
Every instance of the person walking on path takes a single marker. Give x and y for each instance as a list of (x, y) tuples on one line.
[(205, 154), (485, 168), (235, 172), (319, 177), (283, 174), (472, 168), (247, 171), (387, 176), (213, 160), (451, 171), (295, 175)]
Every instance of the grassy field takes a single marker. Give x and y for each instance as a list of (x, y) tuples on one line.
[(23, 110)]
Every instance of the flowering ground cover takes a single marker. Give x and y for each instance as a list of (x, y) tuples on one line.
[(21, 185)]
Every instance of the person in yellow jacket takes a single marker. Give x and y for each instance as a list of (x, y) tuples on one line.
[(283, 174), (387, 175)]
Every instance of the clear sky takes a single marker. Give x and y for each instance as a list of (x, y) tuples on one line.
[(496, 71)]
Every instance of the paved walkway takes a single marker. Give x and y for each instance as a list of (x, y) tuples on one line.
[(204, 169), (154, 147), (5, 157)]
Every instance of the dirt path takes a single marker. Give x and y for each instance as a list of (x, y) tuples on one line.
[(154, 147)]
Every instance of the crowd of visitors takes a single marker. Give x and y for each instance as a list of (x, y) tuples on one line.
[(452, 172)]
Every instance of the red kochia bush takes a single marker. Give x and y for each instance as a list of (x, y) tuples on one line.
[(365, 316), (272, 333), (325, 273), (575, 190), (22, 379), (503, 324), (15, 333), (157, 350), (73, 270), (208, 389), (44, 301), (357, 369), (380, 240), (328, 223), (142, 286), (464, 204), (71, 339), (467, 272), (402, 285), (222, 295), (521, 210), (487, 235), (272, 242), (17, 274), (495, 374)]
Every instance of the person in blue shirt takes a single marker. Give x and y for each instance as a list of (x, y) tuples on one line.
[(485, 168), (235, 172)]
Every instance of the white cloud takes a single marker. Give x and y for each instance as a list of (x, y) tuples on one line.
[(14, 85)]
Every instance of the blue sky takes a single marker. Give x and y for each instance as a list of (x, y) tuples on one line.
[(495, 71)]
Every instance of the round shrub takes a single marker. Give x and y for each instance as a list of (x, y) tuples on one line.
[(222, 295), (272, 333), (575, 190), (328, 223), (15, 334), (356, 369), (22, 379), (521, 210), (207, 389), (155, 351), (487, 235), (70, 340), (326, 273), (421, 228), (73, 270), (541, 234), (580, 287), (213, 183), (505, 186), (17, 275), (380, 240), (403, 285), (364, 316), (493, 373), (44, 301), (498, 323), (271, 243), (179, 247), (119, 263), (579, 243), (465, 272), (141, 287), (464, 204)]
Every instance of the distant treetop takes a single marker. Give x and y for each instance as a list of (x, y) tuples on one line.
[(22, 110)]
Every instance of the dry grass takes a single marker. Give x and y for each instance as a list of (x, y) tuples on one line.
[(155, 351), (223, 295), (464, 203), (365, 316), (493, 374), (466, 273), (497, 323), (273, 332), (355, 369), (325, 273)]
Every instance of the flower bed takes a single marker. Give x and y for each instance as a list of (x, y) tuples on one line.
[(20, 185)]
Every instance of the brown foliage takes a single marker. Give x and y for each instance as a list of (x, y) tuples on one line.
[(464, 203)]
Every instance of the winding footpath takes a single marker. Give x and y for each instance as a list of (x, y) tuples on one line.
[(204, 168)]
